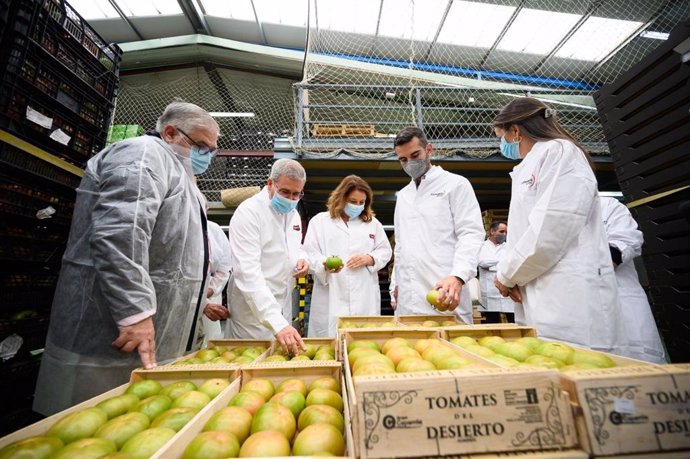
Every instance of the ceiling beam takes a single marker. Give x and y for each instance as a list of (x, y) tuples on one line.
[(194, 14), (590, 10), (438, 30), (503, 33), (259, 24), (129, 24)]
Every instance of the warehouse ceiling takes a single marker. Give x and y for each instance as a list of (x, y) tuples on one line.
[(241, 47)]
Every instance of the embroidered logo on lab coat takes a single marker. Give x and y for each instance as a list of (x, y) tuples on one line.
[(437, 195), (296, 228), (530, 182), (371, 236)]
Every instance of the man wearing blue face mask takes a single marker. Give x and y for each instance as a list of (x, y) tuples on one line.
[(438, 232), (133, 272), (492, 303), (267, 256)]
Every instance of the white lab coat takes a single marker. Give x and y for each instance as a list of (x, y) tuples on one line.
[(351, 292), (557, 251), (640, 327), (491, 299), (438, 233), (219, 273), (265, 248)]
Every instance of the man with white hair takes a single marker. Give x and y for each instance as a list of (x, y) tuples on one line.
[(267, 256), (133, 272)]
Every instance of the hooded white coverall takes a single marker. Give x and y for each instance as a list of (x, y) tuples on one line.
[(640, 327), (265, 248), (350, 292), (135, 250), (219, 270), (557, 251), (491, 299), (438, 233)]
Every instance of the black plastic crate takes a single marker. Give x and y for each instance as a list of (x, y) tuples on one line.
[(18, 104), (18, 162), (18, 202)]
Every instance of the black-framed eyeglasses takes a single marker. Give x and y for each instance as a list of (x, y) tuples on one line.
[(294, 195), (203, 149)]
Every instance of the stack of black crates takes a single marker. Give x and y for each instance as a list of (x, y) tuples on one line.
[(57, 92), (646, 119)]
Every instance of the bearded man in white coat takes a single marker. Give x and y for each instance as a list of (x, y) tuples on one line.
[(493, 304), (266, 243), (625, 243), (438, 232)]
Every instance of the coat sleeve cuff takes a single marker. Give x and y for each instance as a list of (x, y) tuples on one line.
[(275, 322), (136, 318), (504, 281)]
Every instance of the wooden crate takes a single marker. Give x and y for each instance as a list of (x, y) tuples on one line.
[(507, 331), (230, 344), (634, 409), (567, 454), (355, 322), (343, 130), (165, 377), (416, 320), (414, 414), (175, 449)]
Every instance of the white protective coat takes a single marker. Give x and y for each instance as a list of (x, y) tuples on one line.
[(438, 233), (135, 250), (351, 292), (640, 327), (219, 271), (557, 251), (265, 248), (490, 298)]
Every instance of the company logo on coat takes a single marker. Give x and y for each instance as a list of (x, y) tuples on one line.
[(437, 195), (296, 228), (372, 236), (530, 182)]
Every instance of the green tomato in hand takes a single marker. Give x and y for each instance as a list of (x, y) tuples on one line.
[(333, 262)]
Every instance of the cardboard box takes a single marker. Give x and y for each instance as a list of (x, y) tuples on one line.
[(461, 411), (416, 320), (165, 377), (175, 448), (633, 409), (230, 344)]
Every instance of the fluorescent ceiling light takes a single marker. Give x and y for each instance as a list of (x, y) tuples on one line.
[(596, 38), (354, 16), (655, 35), (416, 20), (94, 9), (149, 7), (235, 9), (474, 24), (537, 31), (232, 114), (286, 12)]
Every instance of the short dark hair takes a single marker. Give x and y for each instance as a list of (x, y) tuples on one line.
[(409, 133), (495, 224)]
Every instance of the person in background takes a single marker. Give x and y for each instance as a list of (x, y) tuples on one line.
[(349, 231), (556, 261), (625, 243), (438, 232), (492, 303), (267, 257), (219, 272), (135, 264)]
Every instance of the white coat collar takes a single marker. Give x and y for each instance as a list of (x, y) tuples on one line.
[(430, 175)]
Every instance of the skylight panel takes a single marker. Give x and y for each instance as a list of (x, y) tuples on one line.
[(236, 9), (149, 7), (474, 24), (94, 9), (537, 31), (286, 12), (596, 38), (354, 16), (416, 20)]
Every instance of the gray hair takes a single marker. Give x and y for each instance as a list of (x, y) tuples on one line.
[(289, 168), (186, 116)]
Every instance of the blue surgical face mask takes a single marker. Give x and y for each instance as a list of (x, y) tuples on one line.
[(352, 210), (510, 150), (283, 205), (199, 162)]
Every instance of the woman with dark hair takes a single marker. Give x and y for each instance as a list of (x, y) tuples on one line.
[(556, 261), (349, 231)]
